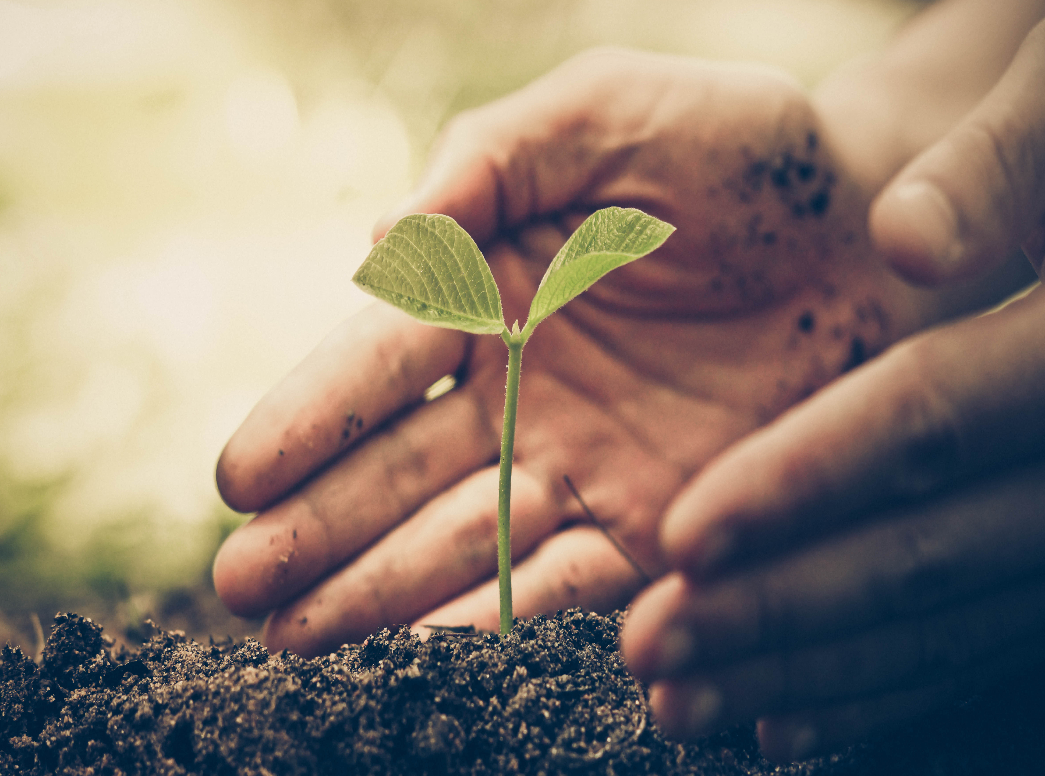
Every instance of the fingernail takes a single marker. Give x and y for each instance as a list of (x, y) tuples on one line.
[(932, 216), (677, 648), (704, 709), (804, 743), (715, 548)]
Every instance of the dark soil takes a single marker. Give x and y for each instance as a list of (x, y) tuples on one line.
[(551, 698)]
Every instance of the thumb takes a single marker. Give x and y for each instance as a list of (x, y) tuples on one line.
[(964, 204), (488, 167), (462, 178), (529, 154)]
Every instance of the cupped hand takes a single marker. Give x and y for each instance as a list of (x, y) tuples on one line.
[(377, 507), (878, 550), (874, 553)]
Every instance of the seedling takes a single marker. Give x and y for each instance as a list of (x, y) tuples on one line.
[(430, 268)]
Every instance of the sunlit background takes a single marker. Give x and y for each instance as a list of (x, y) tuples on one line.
[(186, 187)]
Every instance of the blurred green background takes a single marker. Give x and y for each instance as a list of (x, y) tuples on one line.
[(187, 186)]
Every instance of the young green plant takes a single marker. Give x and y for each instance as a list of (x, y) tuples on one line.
[(430, 268)]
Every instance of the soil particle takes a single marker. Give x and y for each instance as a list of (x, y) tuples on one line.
[(352, 423), (551, 698), (802, 186)]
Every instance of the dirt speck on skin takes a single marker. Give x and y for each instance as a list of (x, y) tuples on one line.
[(552, 698)]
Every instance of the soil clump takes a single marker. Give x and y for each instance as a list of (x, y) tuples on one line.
[(554, 697)]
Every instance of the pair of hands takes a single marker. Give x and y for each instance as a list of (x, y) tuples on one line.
[(376, 507)]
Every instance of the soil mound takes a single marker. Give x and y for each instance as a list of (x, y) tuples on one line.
[(553, 697)]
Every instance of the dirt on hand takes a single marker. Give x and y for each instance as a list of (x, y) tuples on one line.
[(553, 697)]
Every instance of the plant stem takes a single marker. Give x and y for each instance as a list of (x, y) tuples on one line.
[(504, 488)]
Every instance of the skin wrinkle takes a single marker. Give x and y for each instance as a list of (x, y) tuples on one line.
[(543, 502), (894, 604), (389, 563), (738, 408), (643, 441), (393, 494), (573, 582), (938, 654), (479, 557), (1000, 154), (404, 464), (613, 353), (566, 516), (768, 301), (507, 194), (328, 540), (400, 370), (935, 451)]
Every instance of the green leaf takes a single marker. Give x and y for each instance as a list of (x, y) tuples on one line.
[(608, 239), (430, 268)]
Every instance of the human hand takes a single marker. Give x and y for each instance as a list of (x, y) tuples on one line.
[(880, 549), (964, 204), (377, 508)]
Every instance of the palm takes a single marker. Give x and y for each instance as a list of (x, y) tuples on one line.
[(766, 292)]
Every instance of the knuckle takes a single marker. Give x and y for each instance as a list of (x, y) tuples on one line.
[(565, 583), (408, 466), (931, 448), (1006, 152), (923, 573), (573, 579), (389, 362)]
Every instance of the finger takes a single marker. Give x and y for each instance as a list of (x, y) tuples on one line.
[(900, 566), (901, 654), (576, 567), (915, 419), (1034, 247), (377, 362), (962, 206), (287, 548), (528, 154), (448, 546), (797, 736)]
